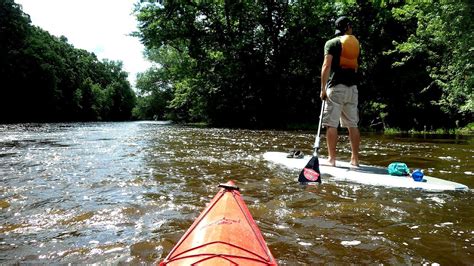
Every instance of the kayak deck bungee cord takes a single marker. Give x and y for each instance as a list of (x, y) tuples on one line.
[(225, 233)]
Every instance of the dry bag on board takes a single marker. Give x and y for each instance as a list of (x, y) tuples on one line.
[(398, 169)]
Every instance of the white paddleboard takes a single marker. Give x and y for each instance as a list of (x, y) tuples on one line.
[(364, 174)]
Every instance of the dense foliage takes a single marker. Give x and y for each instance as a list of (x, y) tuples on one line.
[(249, 63), (44, 78), (257, 63)]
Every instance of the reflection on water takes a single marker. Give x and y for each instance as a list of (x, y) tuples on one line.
[(126, 192)]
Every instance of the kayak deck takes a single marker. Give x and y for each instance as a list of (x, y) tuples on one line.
[(224, 234)]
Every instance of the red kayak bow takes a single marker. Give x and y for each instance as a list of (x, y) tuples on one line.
[(224, 234)]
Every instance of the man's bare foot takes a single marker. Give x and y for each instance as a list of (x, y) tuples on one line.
[(332, 161), (355, 163), (353, 166)]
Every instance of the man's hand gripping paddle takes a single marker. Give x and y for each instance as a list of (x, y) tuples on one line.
[(311, 171)]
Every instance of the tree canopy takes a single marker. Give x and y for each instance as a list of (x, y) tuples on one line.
[(249, 63), (257, 63), (44, 78)]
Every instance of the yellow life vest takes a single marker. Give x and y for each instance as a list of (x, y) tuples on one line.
[(350, 52)]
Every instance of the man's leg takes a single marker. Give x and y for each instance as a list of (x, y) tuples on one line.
[(354, 136), (331, 141)]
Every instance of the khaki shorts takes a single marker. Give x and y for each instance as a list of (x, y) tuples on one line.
[(341, 105)]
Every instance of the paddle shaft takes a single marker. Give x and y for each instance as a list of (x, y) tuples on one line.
[(317, 140)]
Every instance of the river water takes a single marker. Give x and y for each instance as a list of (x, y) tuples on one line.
[(125, 193)]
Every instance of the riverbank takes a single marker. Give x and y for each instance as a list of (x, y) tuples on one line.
[(467, 130)]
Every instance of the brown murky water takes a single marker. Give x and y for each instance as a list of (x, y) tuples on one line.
[(126, 192)]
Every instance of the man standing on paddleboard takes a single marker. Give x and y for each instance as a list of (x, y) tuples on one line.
[(339, 88)]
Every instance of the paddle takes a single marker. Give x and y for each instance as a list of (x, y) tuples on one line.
[(311, 171)]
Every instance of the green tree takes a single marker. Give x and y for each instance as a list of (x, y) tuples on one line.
[(14, 31), (44, 78), (262, 59), (155, 95), (443, 39)]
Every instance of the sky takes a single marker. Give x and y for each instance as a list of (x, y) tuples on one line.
[(98, 26)]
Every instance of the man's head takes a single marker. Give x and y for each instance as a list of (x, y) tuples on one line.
[(342, 25)]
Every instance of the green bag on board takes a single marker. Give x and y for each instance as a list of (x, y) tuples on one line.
[(398, 169)]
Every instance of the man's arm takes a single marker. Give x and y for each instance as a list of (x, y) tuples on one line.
[(325, 71)]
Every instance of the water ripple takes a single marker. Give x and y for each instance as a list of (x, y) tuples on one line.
[(124, 193)]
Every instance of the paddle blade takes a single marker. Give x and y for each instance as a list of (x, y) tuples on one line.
[(311, 172)]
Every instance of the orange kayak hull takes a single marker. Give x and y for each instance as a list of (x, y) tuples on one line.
[(224, 234)]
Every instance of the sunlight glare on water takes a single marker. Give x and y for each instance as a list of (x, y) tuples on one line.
[(126, 192)]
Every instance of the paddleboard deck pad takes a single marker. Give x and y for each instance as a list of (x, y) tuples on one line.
[(364, 174)]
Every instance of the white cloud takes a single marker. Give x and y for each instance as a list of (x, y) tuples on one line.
[(99, 26)]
